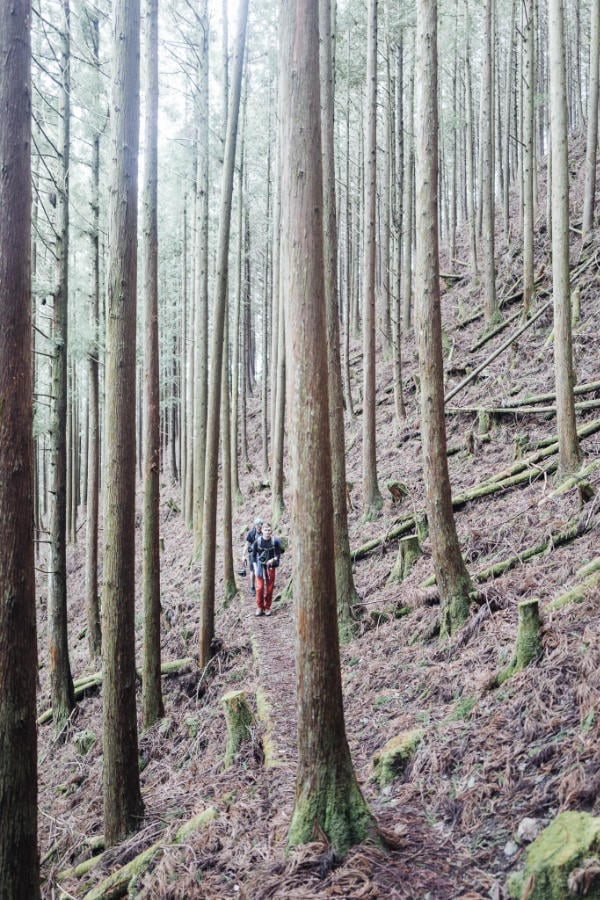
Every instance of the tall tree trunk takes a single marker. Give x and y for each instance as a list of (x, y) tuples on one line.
[(201, 291), (568, 447), (451, 574), (123, 807), (152, 702), (508, 101), (528, 157), (93, 467), (592, 122), (399, 408), (61, 682), (487, 154), (207, 593), (19, 862), (409, 192), (372, 500), (328, 798), (344, 581)]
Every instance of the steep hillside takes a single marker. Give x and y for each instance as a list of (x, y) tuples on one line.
[(488, 758)]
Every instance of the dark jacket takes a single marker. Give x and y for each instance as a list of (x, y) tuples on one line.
[(264, 549)]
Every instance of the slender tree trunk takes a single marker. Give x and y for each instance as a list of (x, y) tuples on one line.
[(451, 574), (487, 154), (229, 583), (93, 467), (327, 794), (409, 193), (152, 702), (372, 500), (528, 158), (508, 101), (19, 862), (61, 682), (207, 594), (238, 344), (592, 122), (399, 408), (344, 581), (568, 447), (123, 807), (201, 292)]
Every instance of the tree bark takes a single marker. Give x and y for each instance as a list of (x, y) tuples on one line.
[(327, 793), (61, 681), (569, 456), (451, 574), (207, 593), (123, 807), (152, 702), (19, 862), (592, 122), (93, 466), (372, 500)]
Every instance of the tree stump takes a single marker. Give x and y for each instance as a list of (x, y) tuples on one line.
[(484, 421), (239, 718), (409, 550), (398, 490), (528, 644)]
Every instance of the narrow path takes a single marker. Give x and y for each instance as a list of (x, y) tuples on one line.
[(273, 639)]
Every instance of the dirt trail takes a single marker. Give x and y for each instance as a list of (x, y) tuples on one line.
[(273, 640)]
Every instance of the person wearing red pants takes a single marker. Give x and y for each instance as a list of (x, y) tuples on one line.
[(266, 552)]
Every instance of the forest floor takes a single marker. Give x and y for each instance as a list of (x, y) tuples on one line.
[(488, 760)]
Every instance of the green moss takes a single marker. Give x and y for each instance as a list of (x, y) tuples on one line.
[(392, 759), (559, 849), (335, 806), (463, 709), (239, 721)]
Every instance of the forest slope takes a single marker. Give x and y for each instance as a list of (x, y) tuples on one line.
[(488, 759)]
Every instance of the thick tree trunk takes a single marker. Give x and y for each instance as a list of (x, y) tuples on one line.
[(451, 574), (19, 863), (487, 166), (328, 798), (123, 807)]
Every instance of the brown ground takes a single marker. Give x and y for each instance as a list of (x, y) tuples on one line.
[(489, 758)]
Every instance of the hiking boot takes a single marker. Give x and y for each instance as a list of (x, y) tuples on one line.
[(267, 612), (258, 612)]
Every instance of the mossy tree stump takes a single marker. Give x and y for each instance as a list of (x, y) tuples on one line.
[(409, 550), (484, 421), (398, 490), (239, 718), (392, 759), (528, 645), (559, 855)]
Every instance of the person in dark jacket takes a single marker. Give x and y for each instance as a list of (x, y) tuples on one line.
[(265, 555), (250, 538)]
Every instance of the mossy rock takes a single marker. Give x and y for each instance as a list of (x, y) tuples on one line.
[(569, 843), (392, 759)]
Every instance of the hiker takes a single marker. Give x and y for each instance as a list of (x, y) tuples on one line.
[(250, 538), (265, 554)]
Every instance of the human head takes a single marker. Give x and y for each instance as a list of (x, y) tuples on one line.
[(258, 523), (266, 530)]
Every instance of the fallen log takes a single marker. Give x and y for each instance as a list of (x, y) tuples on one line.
[(582, 406), (117, 884), (497, 352), (81, 685)]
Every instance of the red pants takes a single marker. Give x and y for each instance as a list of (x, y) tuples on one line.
[(264, 588)]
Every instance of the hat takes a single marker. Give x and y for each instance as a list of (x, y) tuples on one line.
[(258, 521)]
